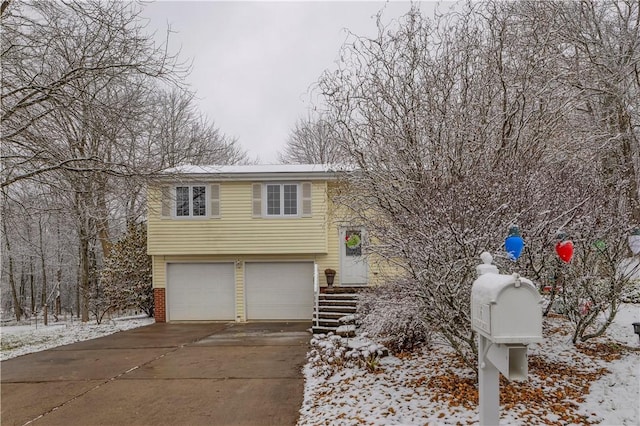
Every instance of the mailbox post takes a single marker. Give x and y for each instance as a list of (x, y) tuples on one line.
[(506, 314)]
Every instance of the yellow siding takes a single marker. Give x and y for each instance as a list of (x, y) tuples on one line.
[(379, 269), (237, 237), (158, 271), (333, 258), (236, 231)]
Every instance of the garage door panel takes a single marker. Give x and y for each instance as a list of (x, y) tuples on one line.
[(200, 291), (279, 290)]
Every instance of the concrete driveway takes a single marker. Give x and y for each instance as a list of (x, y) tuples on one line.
[(163, 374)]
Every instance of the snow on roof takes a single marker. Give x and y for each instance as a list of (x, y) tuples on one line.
[(253, 169)]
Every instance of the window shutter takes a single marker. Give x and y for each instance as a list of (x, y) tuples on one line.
[(165, 202), (257, 200), (215, 200), (306, 199)]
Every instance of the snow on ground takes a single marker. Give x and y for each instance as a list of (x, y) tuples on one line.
[(19, 340), (590, 383), (617, 395), (596, 382)]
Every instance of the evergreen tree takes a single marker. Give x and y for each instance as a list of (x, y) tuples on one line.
[(126, 276)]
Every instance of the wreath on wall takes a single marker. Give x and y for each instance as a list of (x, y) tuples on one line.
[(353, 241)]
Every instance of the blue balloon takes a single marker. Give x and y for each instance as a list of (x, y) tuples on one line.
[(514, 245)]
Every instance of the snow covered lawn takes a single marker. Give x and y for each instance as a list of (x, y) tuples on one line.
[(595, 382), (18, 340)]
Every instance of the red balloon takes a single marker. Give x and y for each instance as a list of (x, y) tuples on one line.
[(565, 250)]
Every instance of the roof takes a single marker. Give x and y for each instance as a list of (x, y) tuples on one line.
[(254, 171)]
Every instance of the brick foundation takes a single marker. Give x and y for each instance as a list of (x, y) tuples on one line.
[(159, 307)]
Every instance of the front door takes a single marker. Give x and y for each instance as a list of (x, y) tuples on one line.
[(353, 265)]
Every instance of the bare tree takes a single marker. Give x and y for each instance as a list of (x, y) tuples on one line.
[(51, 53), (603, 53), (312, 141), (180, 134), (463, 125), (17, 302), (38, 225), (90, 109)]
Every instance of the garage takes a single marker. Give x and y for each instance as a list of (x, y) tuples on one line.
[(279, 290), (200, 291)]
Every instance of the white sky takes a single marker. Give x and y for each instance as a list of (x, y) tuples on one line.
[(254, 62)]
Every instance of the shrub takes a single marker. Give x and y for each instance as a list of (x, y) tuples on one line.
[(330, 353), (393, 316)]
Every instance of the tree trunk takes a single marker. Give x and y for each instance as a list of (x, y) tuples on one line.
[(630, 174), (83, 285), (58, 304), (17, 308), (58, 294), (23, 287), (58, 307), (103, 221), (82, 208), (78, 292), (44, 276), (33, 290), (78, 281)]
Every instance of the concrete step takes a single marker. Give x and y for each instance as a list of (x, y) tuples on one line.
[(338, 309), (329, 315), (331, 308), (342, 317), (337, 296), (327, 322), (343, 290), (337, 302)]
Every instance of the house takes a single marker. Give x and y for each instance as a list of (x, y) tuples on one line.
[(242, 243)]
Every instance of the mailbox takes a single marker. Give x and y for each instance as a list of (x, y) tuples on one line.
[(505, 308), (506, 312)]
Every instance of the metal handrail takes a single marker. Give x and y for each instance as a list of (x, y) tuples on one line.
[(316, 292)]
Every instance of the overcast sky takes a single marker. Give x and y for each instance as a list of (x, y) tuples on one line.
[(254, 62)]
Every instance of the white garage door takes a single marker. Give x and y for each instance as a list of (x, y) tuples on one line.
[(279, 291), (200, 291)]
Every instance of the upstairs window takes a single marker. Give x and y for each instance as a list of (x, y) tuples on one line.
[(191, 201), (282, 199)]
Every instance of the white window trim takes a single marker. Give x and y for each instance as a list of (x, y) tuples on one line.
[(207, 196), (281, 215)]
